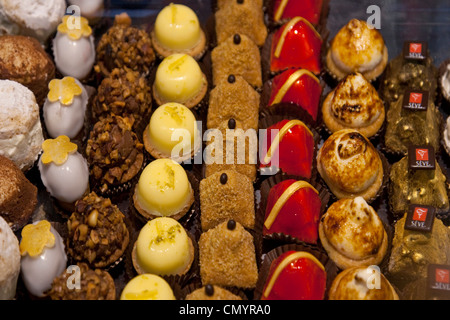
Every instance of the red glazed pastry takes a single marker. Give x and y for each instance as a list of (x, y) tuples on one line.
[(293, 208), (289, 146), (297, 86), (296, 44), (287, 9), (295, 275)]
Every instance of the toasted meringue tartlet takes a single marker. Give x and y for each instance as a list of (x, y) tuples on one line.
[(357, 48), (350, 165), (353, 284), (353, 234), (354, 104)]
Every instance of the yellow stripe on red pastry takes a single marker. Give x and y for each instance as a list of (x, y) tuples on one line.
[(290, 81), (293, 188), (288, 26), (289, 125), (280, 10), (290, 258)]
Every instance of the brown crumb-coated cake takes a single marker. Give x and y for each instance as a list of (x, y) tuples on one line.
[(244, 17), (211, 292), (18, 196), (227, 195), (227, 256), (233, 97), (114, 152), (22, 59), (125, 93), (124, 45), (97, 233), (223, 3), (237, 55), (237, 151), (95, 284)]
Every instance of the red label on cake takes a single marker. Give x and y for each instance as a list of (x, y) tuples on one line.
[(420, 214), (422, 154), (415, 47), (415, 97), (415, 100), (438, 281), (442, 275)]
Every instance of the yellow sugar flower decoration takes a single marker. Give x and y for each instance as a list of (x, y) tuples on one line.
[(35, 238), (75, 27), (57, 150), (63, 90)]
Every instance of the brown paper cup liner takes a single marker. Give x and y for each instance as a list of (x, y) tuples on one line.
[(330, 267), (275, 114), (265, 188), (197, 284)]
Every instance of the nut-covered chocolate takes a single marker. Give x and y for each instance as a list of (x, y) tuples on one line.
[(97, 233), (114, 152)]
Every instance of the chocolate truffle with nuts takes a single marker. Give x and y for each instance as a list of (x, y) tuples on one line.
[(114, 153), (95, 284), (125, 93), (124, 45), (97, 233)]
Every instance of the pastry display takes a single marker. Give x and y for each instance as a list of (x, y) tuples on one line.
[(227, 195), (298, 86), (240, 17), (163, 247), (177, 30), (37, 19), (227, 256), (125, 93), (413, 68), (147, 287), (163, 190), (22, 59), (296, 44), (418, 179), (211, 292), (412, 120), (172, 133), (114, 152), (413, 250), (353, 234), (65, 108), (295, 275), (124, 45), (43, 257), (59, 163), (18, 195), (97, 233), (9, 261), (21, 135), (357, 48), (354, 104), (73, 48), (94, 284), (230, 147), (233, 98), (293, 208), (179, 79), (350, 165), (289, 147), (354, 284), (288, 9), (237, 55)]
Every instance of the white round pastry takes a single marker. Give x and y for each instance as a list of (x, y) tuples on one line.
[(9, 261), (66, 119), (36, 18), (89, 8), (20, 130), (447, 135), (74, 52), (38, 271), (68, 181)]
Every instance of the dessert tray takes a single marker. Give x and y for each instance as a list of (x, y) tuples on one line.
[(350, 179)]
